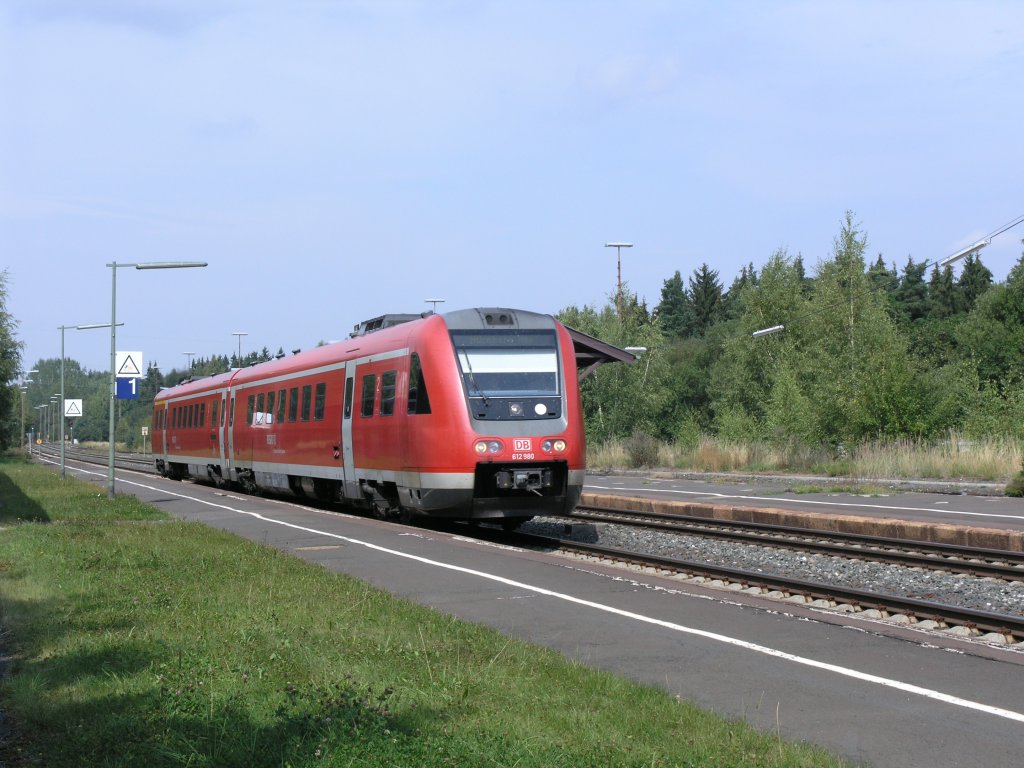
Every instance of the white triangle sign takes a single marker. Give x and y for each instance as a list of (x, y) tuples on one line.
[(128, 365)]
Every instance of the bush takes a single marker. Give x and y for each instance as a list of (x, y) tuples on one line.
[(1016, 485), (642, 450)]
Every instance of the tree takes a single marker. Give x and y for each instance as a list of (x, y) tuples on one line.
[(943, 298), (10, 367), (674, 311), (911, 295), (993, 334), (732, 300), (705, 298), (620, 399), (744, 374), (974, 280)]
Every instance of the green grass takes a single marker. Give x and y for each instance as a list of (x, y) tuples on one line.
[(140, 640)]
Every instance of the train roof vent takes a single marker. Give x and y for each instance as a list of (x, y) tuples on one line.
[(379, 323)]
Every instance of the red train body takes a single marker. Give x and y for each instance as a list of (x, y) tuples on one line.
[(472, 414)]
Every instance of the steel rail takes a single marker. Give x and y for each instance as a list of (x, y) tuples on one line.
[(1008, 625), (972, 561)]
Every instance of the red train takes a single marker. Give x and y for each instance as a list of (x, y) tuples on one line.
[(473, 414)]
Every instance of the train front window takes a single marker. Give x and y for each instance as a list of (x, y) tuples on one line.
[(508, 363)]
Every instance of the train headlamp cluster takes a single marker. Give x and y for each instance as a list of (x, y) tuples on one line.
[(494, 447)]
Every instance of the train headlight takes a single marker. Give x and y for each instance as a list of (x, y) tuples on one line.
[(488, 446), (515, 409), (540, 409), (553, 445), (547, 446), (480, 447), (559, 446)]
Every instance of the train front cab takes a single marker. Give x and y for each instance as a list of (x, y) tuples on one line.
[(514, 386)]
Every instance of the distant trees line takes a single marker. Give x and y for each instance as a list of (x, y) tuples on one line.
[(93, 388), (867, 352)]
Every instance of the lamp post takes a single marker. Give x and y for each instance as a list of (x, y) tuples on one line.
[(239, 334), (618, 259), (54, 402), (63, 328), (39, 418), (24, 394), (113, 347)]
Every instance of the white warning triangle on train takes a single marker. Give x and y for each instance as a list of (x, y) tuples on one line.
[(128, 365)]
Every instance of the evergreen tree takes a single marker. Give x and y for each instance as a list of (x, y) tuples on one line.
[(943, 298), (705, 298), (974, 280), (911, 296), (731, 302), (884, 280), (674, 311)]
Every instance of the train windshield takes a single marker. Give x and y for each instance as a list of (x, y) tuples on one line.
[(508, 363)]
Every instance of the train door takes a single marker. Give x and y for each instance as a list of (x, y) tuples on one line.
[(219, 427), (348, 468), (163, 430), (228, 434)]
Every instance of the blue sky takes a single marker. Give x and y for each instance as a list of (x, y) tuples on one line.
[(333, 161)]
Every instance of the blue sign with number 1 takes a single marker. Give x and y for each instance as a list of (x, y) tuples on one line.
[(127, 389)]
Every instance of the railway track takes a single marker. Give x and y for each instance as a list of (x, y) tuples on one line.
[(992, 627), (969, 561)]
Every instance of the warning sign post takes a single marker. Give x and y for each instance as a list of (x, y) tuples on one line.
[(128, 365)]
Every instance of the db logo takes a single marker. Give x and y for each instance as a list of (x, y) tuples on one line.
[(522, 445)]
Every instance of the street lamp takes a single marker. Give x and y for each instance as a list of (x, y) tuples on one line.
[(239, 334), (618, 259), (965, 251), (113, 346), (433, 303), (768, 331)]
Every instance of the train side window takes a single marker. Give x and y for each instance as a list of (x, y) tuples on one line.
[(174, 417), (213, 414), (307, 401), (250, 409), (293, 404), (191, 415), (369, 390), (348, 397), (282, 401), (270, 406), (260, 413), (231, 413), (202, 414), (319, 401), (418, 400), (387, 393)]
